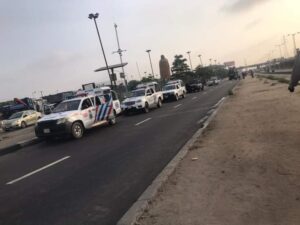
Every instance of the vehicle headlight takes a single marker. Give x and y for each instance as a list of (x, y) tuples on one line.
[(16, 122), (61, 121), (139, 101)]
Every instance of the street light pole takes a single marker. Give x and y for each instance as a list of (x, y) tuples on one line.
[(120, 54), (189, 53), (294, 41), (148, 51), (279, 46), (210, 61), (200, 60), (94, 17)]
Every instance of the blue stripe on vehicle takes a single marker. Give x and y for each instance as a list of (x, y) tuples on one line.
[(104, 111), (100, 112)]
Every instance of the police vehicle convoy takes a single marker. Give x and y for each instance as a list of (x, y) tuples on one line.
[(173, 90), (146, 96), (75, 115)]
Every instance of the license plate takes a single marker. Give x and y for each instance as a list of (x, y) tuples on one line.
[(46, 131)]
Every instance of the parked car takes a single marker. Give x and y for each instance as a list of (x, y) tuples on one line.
[(74, 116), (21, 120), (210, 83), (173, 92), (142, 99), (194, 86)]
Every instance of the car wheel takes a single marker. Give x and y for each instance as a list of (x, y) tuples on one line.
[(23, 125), (159, 103), (77, 130), (183, 95), (112, 121), (146, 108)]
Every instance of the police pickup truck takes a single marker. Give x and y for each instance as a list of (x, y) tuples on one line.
[(143, 99), (173, 90), (75, 115)]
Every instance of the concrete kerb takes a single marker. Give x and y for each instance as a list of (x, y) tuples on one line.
[(18, 146), (132, 216)]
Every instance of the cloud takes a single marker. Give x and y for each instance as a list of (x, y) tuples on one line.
[(253, 24), (241, 5)]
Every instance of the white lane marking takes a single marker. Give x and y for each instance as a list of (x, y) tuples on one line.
[(176, 106), (194, 97), (143, 121), (38, 170)]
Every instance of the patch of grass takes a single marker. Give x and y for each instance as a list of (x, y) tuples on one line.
[(283, 80), (279, 79), (230, 92)]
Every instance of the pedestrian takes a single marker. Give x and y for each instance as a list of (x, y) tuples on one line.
[(296, 73)]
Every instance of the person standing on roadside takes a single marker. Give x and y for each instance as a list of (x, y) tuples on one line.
[(296, 73), (251, 73)]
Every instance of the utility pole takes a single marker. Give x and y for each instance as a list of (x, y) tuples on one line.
[(148, 51), (294, 41), (210, 62), (286, 53), (94, 17), (279, 46), (189, 53), (119, 51), (138, 69)]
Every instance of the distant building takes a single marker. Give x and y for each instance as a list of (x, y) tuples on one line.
[(164, 68)]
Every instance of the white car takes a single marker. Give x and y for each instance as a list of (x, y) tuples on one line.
[(74, 116), (142, 99), (173, 91)]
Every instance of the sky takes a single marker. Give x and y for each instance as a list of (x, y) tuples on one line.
[(52, 46)]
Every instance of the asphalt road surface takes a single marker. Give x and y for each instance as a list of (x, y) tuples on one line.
[(96, 179)]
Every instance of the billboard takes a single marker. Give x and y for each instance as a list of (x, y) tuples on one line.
[(229, 64)]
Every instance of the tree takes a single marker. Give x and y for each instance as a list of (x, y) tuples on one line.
[(132, 84), (179, 64)]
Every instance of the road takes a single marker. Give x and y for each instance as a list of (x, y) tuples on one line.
[(94, 180)]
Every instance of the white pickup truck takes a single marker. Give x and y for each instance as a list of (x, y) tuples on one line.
[(173, 92), (142, 99), (74, 116)]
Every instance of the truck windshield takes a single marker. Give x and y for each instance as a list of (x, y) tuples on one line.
[(169, 87), (16, 115), (138, 93), (67, 106)]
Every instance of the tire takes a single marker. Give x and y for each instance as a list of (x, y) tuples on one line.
[(146, 108), (176, 97), (23, 125), (183, 95), (112, 121), (159, 103), (77, 130)]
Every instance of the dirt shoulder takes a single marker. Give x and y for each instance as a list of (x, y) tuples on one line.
[(248, 166)]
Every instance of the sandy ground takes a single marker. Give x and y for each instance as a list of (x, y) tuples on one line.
[(248, 167)]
